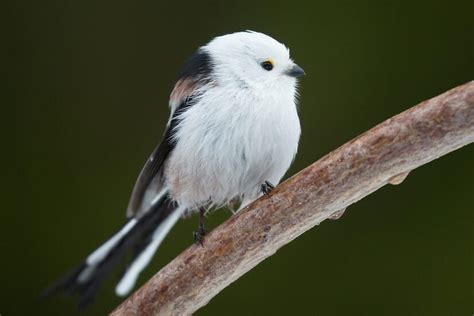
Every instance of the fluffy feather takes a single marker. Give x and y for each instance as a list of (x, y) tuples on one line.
[(242, 130)]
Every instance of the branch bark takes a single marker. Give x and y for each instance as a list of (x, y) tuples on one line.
[(384, 154)]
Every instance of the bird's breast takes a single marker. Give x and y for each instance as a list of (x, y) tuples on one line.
[(227, 147)]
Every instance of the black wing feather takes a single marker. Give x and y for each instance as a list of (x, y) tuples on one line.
[(198, 67)]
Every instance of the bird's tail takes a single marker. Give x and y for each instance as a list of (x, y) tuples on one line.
[(141, 235)]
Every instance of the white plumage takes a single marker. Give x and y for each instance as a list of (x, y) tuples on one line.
[(242, 130)]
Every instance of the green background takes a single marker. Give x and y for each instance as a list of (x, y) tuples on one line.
[(88, 84)]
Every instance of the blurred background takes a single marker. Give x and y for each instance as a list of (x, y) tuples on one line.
[(88, 84)]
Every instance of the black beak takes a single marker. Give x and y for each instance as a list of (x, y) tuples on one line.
[(295, 71)]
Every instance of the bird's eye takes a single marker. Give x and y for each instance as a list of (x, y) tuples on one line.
[(267, 65)]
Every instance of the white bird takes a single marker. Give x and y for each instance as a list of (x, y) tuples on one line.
[(232, 134)]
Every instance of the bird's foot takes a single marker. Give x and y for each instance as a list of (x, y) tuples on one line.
[(267, 187), (201, 232), (199, 236)]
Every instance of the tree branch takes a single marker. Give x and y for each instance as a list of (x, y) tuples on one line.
[(384, 154)]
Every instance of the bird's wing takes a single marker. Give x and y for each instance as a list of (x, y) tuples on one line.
[(194, 75)]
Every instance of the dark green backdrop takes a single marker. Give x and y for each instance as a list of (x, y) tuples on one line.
[(88, 82)]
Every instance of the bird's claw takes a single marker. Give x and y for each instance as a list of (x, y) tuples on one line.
[(267, 187), (201, 232), (199, 236)]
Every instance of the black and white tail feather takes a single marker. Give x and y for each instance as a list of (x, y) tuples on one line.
[(144, 235)]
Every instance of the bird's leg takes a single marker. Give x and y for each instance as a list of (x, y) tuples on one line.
[(201, 232), (267, 187)]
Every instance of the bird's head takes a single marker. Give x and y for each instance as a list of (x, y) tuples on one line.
[(252, 60)]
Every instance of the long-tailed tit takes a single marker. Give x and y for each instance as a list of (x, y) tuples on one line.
[(232, 134)]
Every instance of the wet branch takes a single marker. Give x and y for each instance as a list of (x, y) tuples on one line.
[(384, 154)]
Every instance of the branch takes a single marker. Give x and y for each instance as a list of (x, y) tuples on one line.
[(384, 154)]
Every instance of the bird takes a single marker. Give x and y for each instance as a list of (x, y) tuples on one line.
[(232, 134)]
